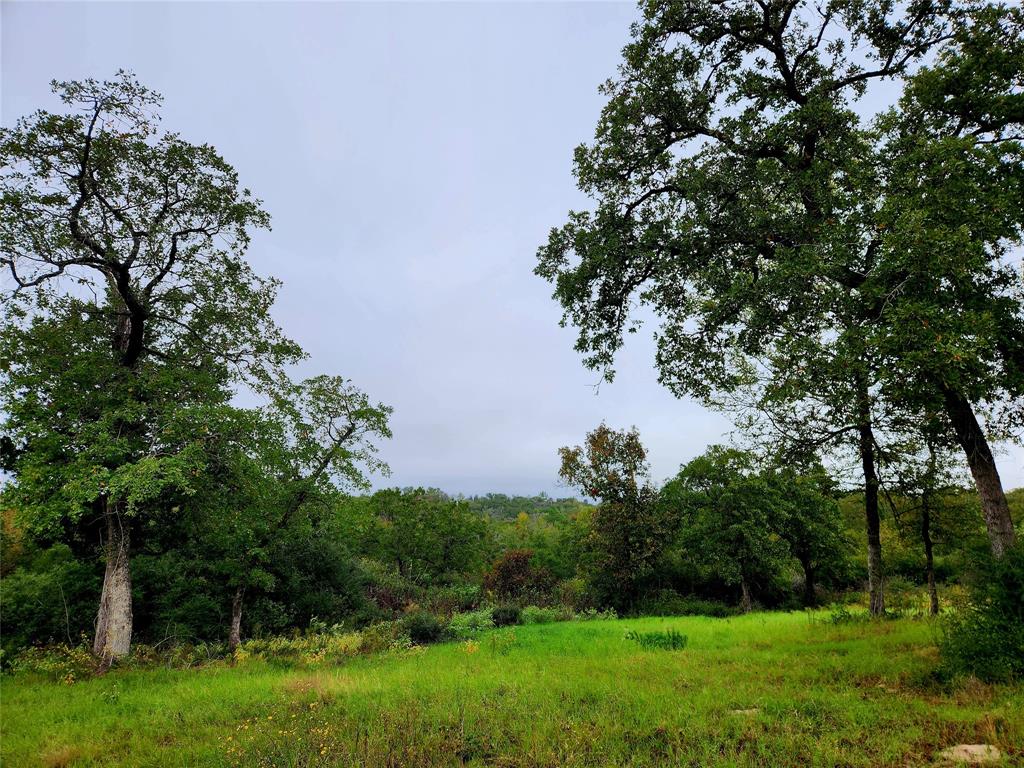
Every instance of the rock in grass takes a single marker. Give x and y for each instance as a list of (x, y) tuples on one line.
[(749, 712), (971, 754)]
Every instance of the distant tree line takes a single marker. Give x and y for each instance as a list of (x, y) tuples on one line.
[(727, 534)]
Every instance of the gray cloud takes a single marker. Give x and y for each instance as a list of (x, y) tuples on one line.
[(413, 157)]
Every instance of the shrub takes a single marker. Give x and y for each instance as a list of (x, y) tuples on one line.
[(423, 628), (667, 640), (384, 636), (984, 635), (592, 614), (387, 590), (573, 594), (307, 650), (177, 655), (444, 601), (506, 615), (464, 626), (318, 626), (534, 615), (670, 603), (513, 576), (51, 601), (841, 614), (60, 663), (902, 596)]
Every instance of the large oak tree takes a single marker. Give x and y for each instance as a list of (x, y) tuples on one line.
[(776, 229), (131, 300)]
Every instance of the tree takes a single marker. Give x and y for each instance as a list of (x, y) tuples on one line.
[(928, 504), (742, 198), (425, 535), (629, 528), (95, 449), (950, 324), (810, 524), (515, 576), (324, 441), (820, 396), (731, 514), (132, 241)]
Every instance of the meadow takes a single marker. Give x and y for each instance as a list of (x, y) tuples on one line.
[(764, 689)]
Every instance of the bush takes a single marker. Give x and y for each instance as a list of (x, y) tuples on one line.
[(534, 615), (513, 576), (592, 614), (668, 640), (465, 626), (307, 650), (506, 615), (573, 594), (387, 590), (60, 663), (384, 636), (52, 600), (444, 601), (423, 628), (841, 614), (670, 603), (984, 635), (903, 596)]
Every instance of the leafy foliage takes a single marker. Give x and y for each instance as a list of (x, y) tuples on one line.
[(985, 635)]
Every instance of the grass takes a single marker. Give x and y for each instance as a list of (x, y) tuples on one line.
[(759, 690)]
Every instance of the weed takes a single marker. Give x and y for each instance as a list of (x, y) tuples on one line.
[(666, 640)]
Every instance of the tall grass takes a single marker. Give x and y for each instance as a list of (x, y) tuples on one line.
[(757, 690)]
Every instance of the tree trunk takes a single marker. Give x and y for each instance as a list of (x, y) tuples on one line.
[(235, 634), (114, 620), (745, 602), (809, 594), (867, 456), (926, 537), (983, 468)]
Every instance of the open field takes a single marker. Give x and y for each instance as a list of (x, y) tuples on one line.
[(764, 689)]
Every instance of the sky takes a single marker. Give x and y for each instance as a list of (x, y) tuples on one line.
[(413, 157)]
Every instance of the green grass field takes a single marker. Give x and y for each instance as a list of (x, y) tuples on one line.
[(764, 689)]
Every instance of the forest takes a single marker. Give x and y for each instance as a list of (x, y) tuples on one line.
[(180, 509)]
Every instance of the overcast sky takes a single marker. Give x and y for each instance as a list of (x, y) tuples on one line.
[(413, 157)]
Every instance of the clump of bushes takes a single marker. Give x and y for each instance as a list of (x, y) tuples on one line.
[(984, 636), (444, 601), (61, 663), (841, 614), (514, 576), (593, 614), (903, 597), (667, 640), (667, 602), (533, 614), (384, 636), (465, 626), (423, 627), (306, 650), (50, 599), (506, 615), (68, 663)]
